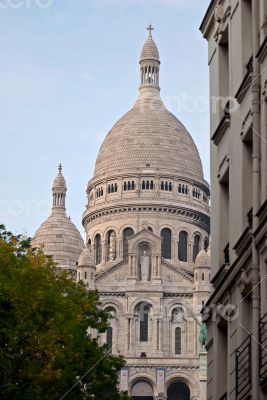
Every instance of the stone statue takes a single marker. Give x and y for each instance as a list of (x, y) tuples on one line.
[(203, 336), (144, 263)]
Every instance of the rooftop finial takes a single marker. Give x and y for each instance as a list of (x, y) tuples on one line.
[(150, 29), (59, 167)]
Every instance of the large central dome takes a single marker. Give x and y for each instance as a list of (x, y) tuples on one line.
[(149, 135)]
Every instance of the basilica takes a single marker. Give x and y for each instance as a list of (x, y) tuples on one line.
[(147, 244)]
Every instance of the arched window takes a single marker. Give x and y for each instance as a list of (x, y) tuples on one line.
[(128, 232), (143, 185), (143, 318), (143, 390), (133, 185), (109, 338), (98, 249), (182, 246), (111, 245), (206, 243), (151, 185), (196, 246), (178, 390), (166, 246), (115, 187), (178, 342)]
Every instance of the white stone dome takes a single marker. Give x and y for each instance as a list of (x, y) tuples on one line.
[(86, 259), (57, 235), (203, 259), (149, 135), (149, 50)]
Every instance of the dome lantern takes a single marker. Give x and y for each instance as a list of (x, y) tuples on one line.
[(149, 63), (59, 190)]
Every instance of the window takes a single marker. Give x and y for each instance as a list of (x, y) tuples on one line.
[(143, 316), (111, 245), (182, 246), (85, 275), (128, 232), (129, 185), (147, 185), (166, 243), (183, 189), (203, 276), (178, 340), (98, 249), (206, 243), (196, 193), (167, 186), (196, 246), (109, 338)]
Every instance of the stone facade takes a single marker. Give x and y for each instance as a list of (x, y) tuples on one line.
[(146, 221), (236, 34), (147, 236)]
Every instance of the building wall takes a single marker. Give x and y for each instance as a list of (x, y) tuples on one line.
[(236, 35)]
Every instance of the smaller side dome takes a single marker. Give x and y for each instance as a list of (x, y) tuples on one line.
[(203, 259), (86, 259)]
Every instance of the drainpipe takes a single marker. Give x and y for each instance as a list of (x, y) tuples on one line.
[(255, 88)]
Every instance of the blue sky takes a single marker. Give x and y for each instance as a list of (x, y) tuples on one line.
[(69, 70)]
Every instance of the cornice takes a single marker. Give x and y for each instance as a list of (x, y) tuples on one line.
[(221, 129), (181, 213)]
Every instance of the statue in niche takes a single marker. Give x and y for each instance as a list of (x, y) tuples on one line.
[(144, 263)]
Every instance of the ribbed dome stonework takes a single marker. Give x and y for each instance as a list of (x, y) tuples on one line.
[(149, 50), (57, 235), (60, 239), (149, 134)]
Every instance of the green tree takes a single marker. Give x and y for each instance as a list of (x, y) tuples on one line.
[(45, 349)]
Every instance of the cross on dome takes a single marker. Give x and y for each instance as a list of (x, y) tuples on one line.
[(150, 29), (59, 167)]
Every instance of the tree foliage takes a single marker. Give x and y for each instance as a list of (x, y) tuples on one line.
[(45, 349)]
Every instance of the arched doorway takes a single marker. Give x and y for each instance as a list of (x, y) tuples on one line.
[(178, 391), (142, 390)]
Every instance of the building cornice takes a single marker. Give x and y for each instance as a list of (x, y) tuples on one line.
[(206, 22), (221, 128), (245, 84), (185, 214)]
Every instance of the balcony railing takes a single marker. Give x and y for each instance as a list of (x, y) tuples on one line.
[(243, 369), (263, 342)]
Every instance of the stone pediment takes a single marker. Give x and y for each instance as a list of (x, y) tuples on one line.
[(144, 236), (117, 275)]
